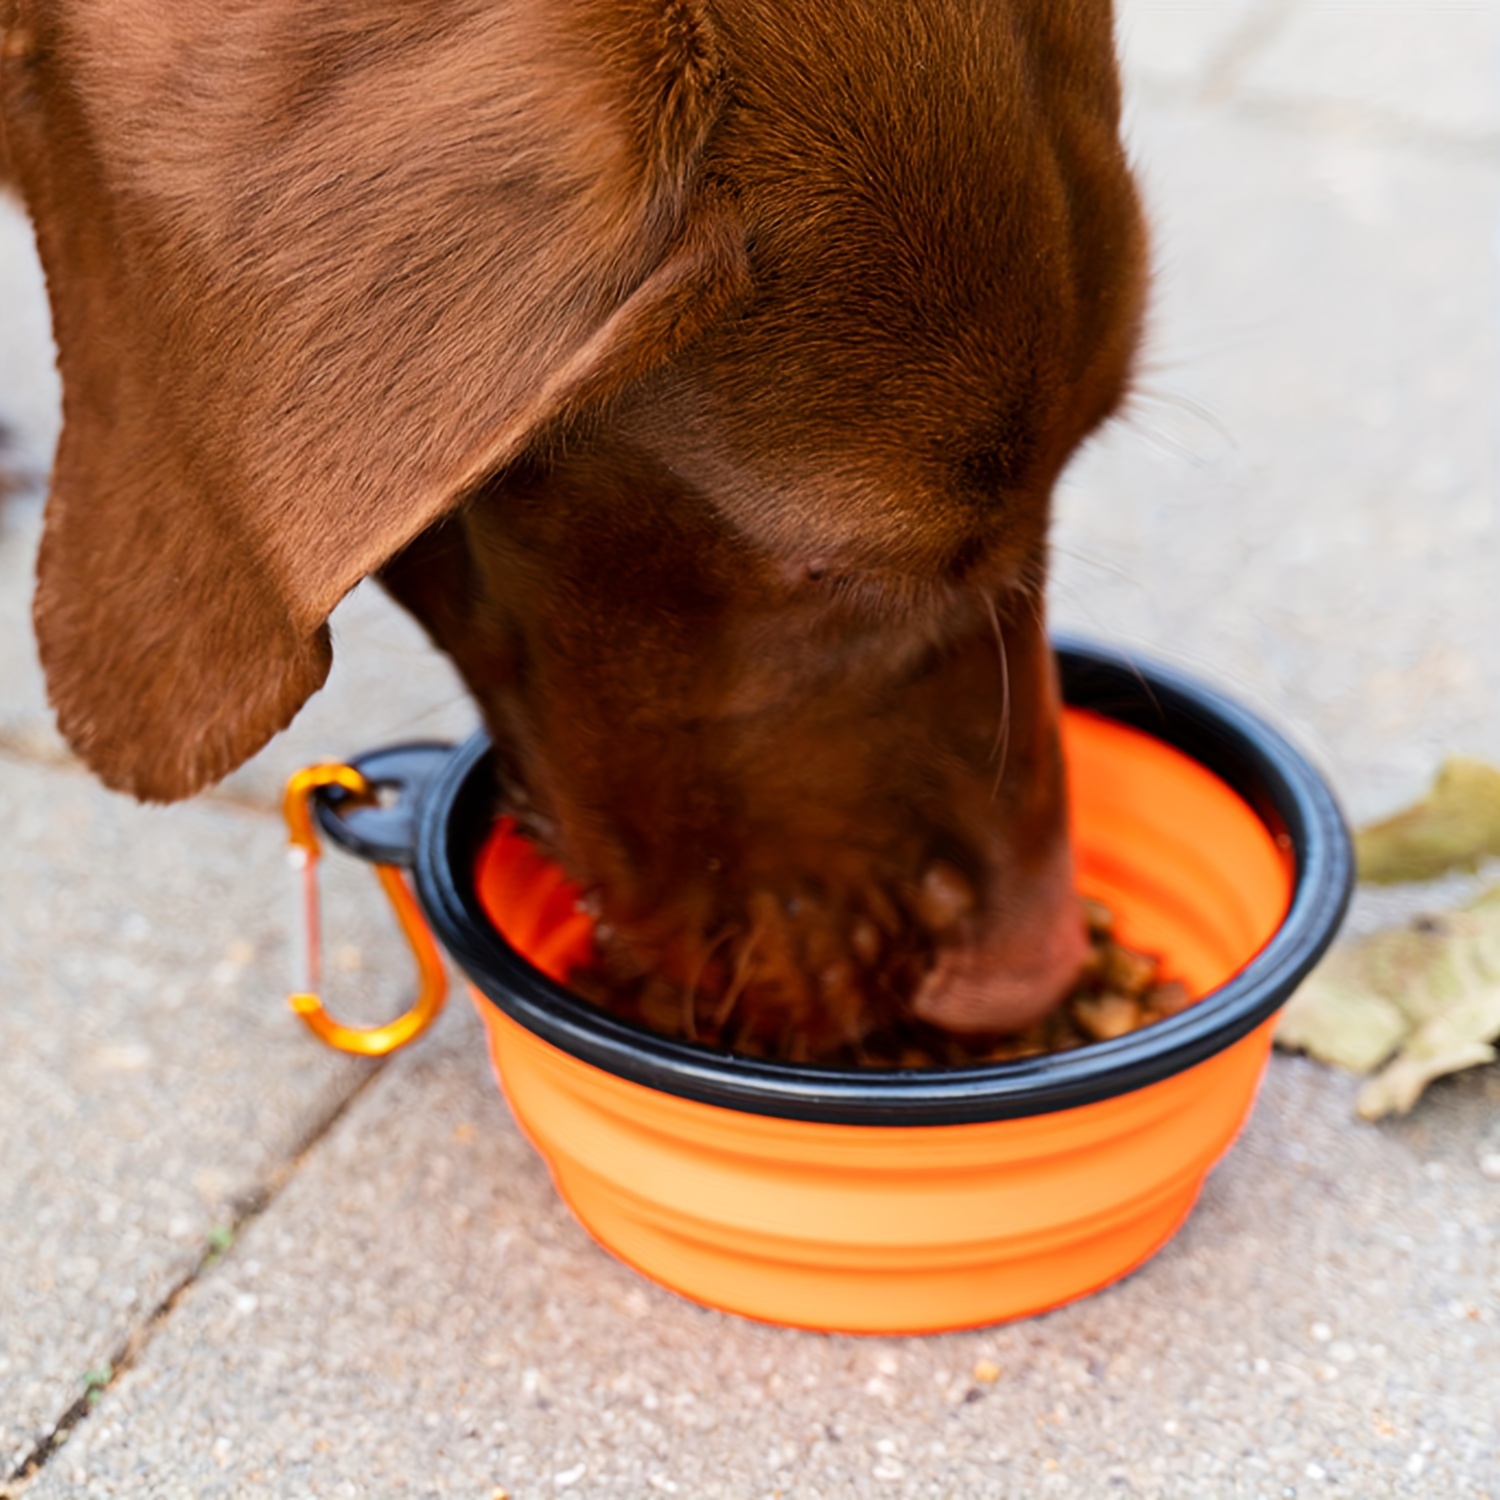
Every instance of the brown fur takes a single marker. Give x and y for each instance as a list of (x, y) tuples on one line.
[(697, 370)]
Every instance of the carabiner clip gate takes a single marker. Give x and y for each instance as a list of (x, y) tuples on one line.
[(307, 943)]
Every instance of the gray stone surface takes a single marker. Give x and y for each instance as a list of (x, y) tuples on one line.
[(1302, 505), (418, 1315), (1301, 500), (1188, 45), (151, 1081), (26, 726), (27, 377), (387, 684), (1396, 64), (1391, 67), (150, 1077)]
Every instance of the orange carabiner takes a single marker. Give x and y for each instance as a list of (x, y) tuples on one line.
[(305, 851)]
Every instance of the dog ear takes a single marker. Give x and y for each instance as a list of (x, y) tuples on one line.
[(318, 268)]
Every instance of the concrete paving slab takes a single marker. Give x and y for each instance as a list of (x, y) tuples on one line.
[(1412, 64), (418, 1315), (387, 684), (26, 726), (151, 1079), (1302, 501), (29, 391), (1181, 43)]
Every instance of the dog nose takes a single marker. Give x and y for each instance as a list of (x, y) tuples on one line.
[(1023, 964)]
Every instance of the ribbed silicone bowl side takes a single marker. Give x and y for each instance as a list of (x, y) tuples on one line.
[(858, 1229), (902, 1229)]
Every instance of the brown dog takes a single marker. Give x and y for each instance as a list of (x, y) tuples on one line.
[(696, 370)]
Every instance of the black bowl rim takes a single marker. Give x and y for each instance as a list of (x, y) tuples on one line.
[(1246, 752)]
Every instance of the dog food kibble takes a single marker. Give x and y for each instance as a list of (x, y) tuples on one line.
[(1104, 1017), (1119, 991)]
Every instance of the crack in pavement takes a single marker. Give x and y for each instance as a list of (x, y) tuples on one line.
[(32, 746), (1225, 69), (37, 746), (217, 1246), (1385, 129), (1218, 84), (1310, 114)]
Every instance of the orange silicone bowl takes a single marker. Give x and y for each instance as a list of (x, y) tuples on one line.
[(913, 1201)]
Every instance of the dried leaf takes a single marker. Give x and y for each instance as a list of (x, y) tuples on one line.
[(1339, 1018), (1427, 997), (1395, 1089), (1454, 827)]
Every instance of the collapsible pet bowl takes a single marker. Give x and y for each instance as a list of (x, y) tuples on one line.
[(906, 1201)]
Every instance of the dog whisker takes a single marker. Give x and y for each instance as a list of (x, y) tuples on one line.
[(435, 709), (1000, 750), (690, 990), (1164, 396), (1037, 604), (740, 979), (1031, 585), (1093, 560), (1140, 678), (1160, 436)]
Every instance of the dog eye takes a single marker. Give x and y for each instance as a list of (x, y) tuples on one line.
[(987, 471), (963, 558)]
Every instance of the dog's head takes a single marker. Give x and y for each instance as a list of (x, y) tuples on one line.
[(698, 373)]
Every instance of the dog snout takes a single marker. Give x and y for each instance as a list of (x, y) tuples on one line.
[(1000, 971)]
